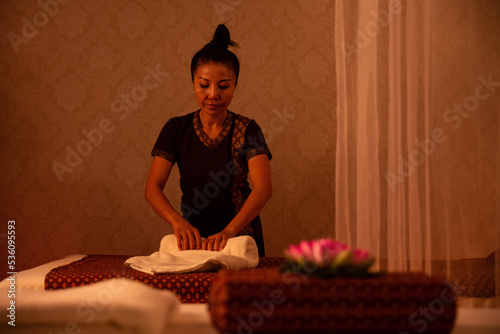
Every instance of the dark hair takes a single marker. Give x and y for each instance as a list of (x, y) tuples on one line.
[(217, 51)]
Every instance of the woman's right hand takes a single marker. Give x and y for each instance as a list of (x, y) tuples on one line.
[(188, 236)]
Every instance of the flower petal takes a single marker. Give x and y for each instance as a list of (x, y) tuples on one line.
[(319, 255), (306, 250), (294, 253), (343, 259), (360, 255)]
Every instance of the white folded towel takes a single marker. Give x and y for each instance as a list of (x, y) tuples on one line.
[(239, 253), (120, 302)]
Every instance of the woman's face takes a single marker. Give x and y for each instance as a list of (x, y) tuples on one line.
[(214, 86)]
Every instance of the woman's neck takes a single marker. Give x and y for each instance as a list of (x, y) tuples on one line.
[(213, 121)]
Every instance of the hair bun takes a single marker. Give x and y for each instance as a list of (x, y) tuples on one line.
[(222, 38), (217, 52)]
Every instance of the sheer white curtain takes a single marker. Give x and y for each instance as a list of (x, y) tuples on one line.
[(418, 141)]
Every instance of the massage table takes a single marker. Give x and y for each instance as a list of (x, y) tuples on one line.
[(193, 316), (471, 277)]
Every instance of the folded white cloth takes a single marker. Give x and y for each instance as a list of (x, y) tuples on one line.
[(239, 253), (34, 278), (120, 302)]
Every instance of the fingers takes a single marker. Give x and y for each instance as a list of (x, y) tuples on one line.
[(182, 240), (185, 241), (179, 241), (188, 237), (197, 235), (223, 243), (215, 242), (195, 239), (208, 244), (192, 241)]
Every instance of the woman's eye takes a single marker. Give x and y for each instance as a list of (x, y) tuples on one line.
[(224, 87), (203, 86)]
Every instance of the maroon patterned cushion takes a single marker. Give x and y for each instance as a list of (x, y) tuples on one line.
[(190, 288), (474, 277), (266, 301), (469, 277)]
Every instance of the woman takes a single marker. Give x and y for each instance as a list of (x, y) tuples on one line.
[(215, 150)]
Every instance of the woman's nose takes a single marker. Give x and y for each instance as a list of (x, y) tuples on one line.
[(213, 93)]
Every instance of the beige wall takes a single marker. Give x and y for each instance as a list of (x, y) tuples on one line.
[(60, 77)]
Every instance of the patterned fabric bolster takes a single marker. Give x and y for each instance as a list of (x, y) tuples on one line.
[(266, 301), (190, 288), (162, 154), (257, 151)]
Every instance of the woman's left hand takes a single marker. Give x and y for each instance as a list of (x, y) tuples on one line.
[(216, 242)]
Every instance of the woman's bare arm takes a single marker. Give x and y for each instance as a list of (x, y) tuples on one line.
[(188, 237)]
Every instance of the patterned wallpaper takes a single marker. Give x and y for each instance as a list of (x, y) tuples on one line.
[(85, 87)]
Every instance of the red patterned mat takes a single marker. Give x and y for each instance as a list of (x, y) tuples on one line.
[(190, 288)]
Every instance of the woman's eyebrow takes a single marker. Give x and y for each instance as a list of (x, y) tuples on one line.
[(202, 78)]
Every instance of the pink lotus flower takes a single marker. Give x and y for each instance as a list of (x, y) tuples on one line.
[(330, 258), (322, 252)]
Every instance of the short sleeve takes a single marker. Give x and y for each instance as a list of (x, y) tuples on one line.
[(255, 143), (166, 144)]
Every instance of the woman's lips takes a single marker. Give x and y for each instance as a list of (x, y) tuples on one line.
[(212, 106)]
